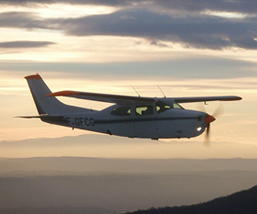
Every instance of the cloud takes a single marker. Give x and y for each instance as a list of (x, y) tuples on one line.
[(184, 69), (191, 30), (198, 31), (238, 6), (80, 2), (24, 20), (25, 44)]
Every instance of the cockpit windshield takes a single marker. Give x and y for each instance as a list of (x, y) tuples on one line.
[(162, 106)]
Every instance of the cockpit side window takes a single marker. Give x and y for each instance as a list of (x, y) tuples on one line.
[(121, 111), (163, 106), (144, 110)]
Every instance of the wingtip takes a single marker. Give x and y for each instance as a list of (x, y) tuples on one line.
[(236, 98)]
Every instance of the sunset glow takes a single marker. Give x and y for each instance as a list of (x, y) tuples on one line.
[(106, 48)]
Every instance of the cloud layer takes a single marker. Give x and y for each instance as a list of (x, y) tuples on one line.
[(237, 6), (192, 24), (24, 44)]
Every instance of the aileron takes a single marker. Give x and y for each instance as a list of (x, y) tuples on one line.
[(204, 99)]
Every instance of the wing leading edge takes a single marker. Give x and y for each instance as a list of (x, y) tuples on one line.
[(120, 99)]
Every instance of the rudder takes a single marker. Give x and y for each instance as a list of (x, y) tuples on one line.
[(47, 105)]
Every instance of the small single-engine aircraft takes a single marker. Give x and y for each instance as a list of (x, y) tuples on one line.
[(130, 116)]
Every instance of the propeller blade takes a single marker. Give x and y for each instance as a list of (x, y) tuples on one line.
[(219, 111), (207, 135), (209, 119), (201, 107)]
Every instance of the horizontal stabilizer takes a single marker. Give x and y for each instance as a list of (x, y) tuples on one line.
[(32, 117), (60, 120)]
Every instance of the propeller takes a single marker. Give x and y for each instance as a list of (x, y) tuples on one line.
[(209, 119)]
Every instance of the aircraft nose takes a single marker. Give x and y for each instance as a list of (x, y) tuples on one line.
[(208, 118)]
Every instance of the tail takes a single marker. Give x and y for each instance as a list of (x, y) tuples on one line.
[(47, 105)]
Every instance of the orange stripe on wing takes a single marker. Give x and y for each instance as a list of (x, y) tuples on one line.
[(37, 76), (63, 93)]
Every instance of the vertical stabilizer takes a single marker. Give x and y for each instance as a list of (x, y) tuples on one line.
[(47, 105)]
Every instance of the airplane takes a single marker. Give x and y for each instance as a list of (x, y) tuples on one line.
[(128, 116)]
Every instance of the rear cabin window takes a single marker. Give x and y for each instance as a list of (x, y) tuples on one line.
[(121, 111)]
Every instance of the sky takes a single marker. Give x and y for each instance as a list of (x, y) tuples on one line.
[(188, 48)]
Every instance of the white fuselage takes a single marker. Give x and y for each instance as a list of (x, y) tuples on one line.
[(171, 123)]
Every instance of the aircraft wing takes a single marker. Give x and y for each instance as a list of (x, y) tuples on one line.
[(120, 99), (204, 99)]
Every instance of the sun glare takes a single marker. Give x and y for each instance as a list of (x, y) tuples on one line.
[(225, 14), (53, 10), (72, 11)]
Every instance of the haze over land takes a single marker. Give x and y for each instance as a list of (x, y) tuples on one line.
[(98, 145), (120, 185)]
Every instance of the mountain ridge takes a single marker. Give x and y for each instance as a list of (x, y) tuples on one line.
[(237, 203)]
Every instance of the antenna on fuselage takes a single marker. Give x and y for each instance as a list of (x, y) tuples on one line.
[(135, 90), (161, 91)]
